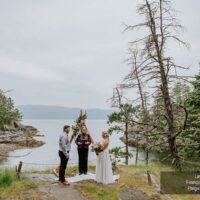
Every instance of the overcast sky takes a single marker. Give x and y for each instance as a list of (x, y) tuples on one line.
[(71, 52)]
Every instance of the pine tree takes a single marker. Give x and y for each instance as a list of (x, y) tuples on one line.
[(8, 112), (192, 134)]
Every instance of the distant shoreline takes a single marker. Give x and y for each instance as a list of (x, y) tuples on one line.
[(59, 113)]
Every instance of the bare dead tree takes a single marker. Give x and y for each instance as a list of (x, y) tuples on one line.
[(116, 99), (134, 80), (117, 102), (161, 25), (126, 114)]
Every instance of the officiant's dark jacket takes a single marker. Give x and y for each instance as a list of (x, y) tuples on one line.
[(83, 139), (83, 151)]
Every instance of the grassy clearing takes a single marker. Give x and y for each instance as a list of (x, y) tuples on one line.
[(98, 192), (103, 192), (130, 176), (11, 185)]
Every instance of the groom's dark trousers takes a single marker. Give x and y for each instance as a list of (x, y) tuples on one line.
[(63, 166)]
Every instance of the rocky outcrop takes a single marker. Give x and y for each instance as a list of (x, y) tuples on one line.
[(18, 136), (133, 193)]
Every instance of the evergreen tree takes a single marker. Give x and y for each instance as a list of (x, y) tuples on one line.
[(121, 121), (8, 112), (192, 134)]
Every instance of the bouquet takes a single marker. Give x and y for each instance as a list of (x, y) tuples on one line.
[(80, 121), (96, 147)]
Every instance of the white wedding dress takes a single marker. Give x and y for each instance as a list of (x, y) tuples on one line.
[(104, 172)]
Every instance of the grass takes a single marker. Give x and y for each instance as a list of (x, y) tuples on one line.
[(130, 176), (7, 178), (11, 185), (97, 192), (103, 192)]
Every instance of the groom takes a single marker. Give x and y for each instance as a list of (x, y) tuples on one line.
[(64, 149)]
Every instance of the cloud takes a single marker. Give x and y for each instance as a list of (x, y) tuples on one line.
[(28, 71), (71, 52)]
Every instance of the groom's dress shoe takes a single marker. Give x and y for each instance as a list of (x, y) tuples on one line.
[(65, 183)]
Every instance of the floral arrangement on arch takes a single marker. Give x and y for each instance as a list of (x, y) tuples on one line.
[(80, 121)]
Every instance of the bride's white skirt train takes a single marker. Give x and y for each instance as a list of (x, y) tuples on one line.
[(104, 172)]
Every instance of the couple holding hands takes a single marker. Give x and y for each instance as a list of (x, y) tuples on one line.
[(83, 140)]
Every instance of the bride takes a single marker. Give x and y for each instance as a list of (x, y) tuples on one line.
[(104, 172)]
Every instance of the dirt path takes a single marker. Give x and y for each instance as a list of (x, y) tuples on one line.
[(52, 189), (47, 191), (60, 192)]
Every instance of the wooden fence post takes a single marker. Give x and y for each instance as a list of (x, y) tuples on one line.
[(18, 169), (149, 178)]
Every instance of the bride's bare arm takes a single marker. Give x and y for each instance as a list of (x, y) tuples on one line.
[(71, 139), (105, 144)]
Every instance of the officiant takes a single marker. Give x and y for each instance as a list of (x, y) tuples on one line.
[(83, 142)]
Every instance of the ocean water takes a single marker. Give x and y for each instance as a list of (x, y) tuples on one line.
[(46, 156)]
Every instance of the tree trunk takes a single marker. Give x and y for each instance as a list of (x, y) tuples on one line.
[(147, 151), (164, 87), (144, 109), (136, 153), (126, 135)]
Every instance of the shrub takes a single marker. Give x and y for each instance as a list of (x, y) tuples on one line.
[(7, 178), (8, 112)]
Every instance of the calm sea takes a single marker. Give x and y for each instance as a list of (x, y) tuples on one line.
[(47, 156)]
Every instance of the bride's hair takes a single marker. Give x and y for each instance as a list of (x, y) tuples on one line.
[(105, 134)]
